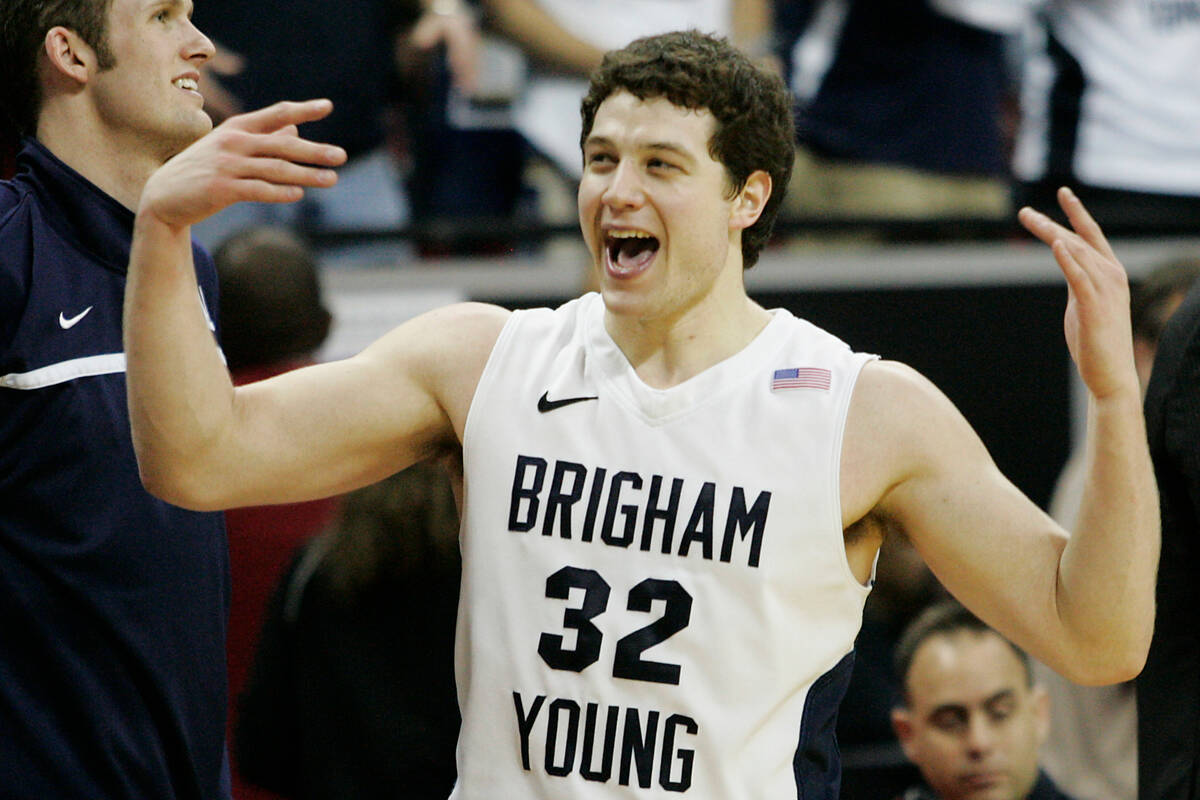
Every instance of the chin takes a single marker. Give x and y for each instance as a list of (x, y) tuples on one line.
[(184, 135)]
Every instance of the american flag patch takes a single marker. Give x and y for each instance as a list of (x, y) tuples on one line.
[(800, 378)]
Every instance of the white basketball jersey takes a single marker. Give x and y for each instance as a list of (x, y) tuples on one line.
[(656, 597)]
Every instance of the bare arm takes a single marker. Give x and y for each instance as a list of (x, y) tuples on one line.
[(1084, 605), (752, 27), (541, 36), (200, 442)]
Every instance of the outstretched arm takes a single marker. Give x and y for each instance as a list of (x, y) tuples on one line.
[(1083, 604), (200, 442)]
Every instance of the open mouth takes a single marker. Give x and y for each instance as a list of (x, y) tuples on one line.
[(630, 252)]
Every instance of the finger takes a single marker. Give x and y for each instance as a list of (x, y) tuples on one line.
[(281, 114), (1041, 226), (287, 145), (258, 191), (1083, 222), (286, 173), (1071, 262)]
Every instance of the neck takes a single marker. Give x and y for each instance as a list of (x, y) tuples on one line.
[(119, 165), (667, 352)]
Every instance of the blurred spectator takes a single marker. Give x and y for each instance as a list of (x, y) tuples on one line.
[(1092, 748), (466, 180), (900, 109), (273, 314), (972, 718), (344, 53), (1110, 105), (273, 319), (565, 39), (352, 693)]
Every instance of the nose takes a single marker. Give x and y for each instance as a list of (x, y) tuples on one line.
[(624, 189), (198, 47), (980, 735)]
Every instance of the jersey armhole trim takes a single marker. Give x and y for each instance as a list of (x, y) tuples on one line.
[(843, 412), (484, 386)]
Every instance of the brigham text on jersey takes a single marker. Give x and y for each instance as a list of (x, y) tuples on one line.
[(628, 508)]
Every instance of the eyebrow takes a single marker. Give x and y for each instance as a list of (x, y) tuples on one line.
[(670, 147), (186, 5)]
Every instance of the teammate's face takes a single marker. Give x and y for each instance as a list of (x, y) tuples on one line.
[(150, 98), (655, 209), (973, 725)]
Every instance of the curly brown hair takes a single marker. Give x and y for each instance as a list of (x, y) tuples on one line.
[(752, 107), (23, 28)]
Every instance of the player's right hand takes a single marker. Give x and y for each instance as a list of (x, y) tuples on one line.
[(254, 157)]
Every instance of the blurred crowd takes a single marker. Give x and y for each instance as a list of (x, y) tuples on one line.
[(461, 116)]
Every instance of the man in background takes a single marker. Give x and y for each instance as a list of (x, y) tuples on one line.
[(972, 718)]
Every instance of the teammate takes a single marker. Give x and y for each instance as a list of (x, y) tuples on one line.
[(112, 602), (672, 497)]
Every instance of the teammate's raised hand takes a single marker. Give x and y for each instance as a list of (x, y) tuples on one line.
[(258, 156), (1096, 323)]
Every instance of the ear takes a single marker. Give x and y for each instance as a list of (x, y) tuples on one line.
[(751, 200), (902, 724), (69, 55)]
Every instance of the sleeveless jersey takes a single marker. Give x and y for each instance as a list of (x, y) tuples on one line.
[(656, 597)]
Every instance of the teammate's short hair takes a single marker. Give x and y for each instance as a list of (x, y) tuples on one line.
[(752, 107), (945, 618), (23, 28)]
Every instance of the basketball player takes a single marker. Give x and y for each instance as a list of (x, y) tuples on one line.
[(673, 497)]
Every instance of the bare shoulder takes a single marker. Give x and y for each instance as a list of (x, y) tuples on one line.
[(899, 426), (460, 330), (443, 351)]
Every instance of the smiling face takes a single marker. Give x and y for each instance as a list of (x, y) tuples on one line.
[(656, 209), (972, 723), (149, 98)]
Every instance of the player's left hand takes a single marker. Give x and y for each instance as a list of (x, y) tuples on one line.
[(1097, 326)]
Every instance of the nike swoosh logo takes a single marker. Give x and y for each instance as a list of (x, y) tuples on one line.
[(546, 404), (66, 323)]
